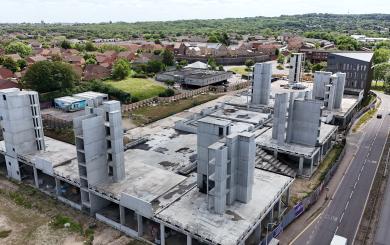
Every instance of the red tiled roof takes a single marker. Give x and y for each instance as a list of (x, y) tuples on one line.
[(4, 84), (5, 73)]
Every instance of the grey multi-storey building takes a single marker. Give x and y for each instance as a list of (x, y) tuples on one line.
[(358, 69)]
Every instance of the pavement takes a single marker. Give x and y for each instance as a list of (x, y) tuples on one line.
[(348, 189), (382, 236)]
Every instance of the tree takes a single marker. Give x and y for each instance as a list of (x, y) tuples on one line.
[(380, 72), (9, 63), (56, 57), (212, 64), (121, 69), (90, 47), (91, 61), (18, 48), (249, 63), (277, 52), (21, 64), (381, 55), (47, 76), (168, 58), (319, 67), (65, 44), (387, 83), (280, 59), (154, 66), (220, 68)]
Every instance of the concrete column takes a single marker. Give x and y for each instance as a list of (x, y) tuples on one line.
[(36, 177), (122, 215), (288, 196), (162, 234), (311, 165), (300, 170), (57, 186), (189, 240), (271, 215), (276, 153), (140, 225)]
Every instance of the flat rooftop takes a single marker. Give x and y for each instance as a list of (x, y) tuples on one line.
[(347, 104), (196, 73), (190, 211), (265, 140), (142, 181)]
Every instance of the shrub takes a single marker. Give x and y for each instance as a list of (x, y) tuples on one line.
[(167, 93), (60, 220)]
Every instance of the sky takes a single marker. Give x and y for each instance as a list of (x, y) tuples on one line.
[(87, 11)]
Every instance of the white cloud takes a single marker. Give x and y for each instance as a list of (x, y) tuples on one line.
[(140, 10)]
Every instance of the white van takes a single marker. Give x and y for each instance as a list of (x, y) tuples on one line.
[(338, 240)]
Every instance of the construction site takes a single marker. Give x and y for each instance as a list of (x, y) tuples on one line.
[(218, 173)]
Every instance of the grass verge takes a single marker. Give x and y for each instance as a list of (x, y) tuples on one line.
[(147, 115), (242, 70), (363, 119)]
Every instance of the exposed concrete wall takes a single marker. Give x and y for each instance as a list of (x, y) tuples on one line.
[(305, 123), (280, 118), (296, 70), (21, 123), (240, 150), (321, 79), (210, 130), (261, 83)]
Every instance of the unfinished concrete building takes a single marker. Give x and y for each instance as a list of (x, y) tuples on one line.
[(329, 88), (261, 86), (21, 124), (99, 143), (297, 61), (297, 132), (139, 191), (230, 165)]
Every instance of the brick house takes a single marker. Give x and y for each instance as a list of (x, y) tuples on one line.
[(92, 72)]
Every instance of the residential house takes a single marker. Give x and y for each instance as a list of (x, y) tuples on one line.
[(75, 60), (127, 55), (179, 48), (268, 48), (216, 50), (34, 59), (92, 72), (5, 73), (4, 84)]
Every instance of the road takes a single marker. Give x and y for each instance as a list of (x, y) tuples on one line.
[(343, 213)]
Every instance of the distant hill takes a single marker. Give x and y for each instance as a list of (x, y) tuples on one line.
[(369, 24)]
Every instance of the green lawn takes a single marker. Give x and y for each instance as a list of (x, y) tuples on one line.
[(239, 70), (138, 87)]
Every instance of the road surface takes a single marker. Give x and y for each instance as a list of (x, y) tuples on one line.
[(343, 213)]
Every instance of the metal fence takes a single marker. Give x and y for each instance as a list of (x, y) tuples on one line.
[(305, 204)]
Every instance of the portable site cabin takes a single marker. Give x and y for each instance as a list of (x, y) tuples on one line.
[(69, 103), (92, 98)]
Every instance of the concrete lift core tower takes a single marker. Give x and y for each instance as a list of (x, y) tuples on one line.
[(261, 83), (297, 61), (21, 122)]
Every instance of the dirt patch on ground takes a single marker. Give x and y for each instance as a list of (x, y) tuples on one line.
[(27, 215)]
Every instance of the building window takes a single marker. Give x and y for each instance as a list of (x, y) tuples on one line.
[(9, 163), (109, 157), (4, 97), (110, 171), (220, 132), (17, 172)]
